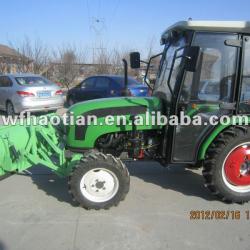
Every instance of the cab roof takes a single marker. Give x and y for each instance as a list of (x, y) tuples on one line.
[(215, 26)]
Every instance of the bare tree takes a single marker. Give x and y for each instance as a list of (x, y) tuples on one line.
[(150, 47), (102, 61), (3, 65), (152, 72), (33, 56), (66, 63), (69, 63), (41, 57), (110, 62)]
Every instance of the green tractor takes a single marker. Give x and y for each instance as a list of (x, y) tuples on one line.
[(204, 71)]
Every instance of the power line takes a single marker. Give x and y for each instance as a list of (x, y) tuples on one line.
[(116, 8), (88, 11), (99, 8), (98, 25)]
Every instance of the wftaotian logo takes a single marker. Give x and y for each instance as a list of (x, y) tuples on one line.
[(147, 119)]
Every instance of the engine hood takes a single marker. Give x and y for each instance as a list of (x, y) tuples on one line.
[(84, 136), (110, 104)]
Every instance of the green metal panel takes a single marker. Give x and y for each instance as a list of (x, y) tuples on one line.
[(218, 129), (201, 108), (23, 146), (94, 132)]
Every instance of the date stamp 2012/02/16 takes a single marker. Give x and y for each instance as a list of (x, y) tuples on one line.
[(219, 215)]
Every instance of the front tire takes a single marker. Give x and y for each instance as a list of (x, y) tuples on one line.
[(99, 181), (227, 165)]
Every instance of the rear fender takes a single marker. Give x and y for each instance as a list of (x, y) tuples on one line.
[(217, 130)]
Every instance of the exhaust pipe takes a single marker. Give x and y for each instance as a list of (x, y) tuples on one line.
[(126, 90)]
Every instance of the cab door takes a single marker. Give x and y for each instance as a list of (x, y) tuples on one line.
[(208, 91)]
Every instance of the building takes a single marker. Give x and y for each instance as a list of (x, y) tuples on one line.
[(11, 61)]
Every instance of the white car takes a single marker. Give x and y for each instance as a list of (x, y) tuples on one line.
[(26, 92)]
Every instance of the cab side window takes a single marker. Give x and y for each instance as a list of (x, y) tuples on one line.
[(244, 106), (213, 80)]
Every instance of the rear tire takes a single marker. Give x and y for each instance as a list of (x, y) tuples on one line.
[(10, 110), (99, 181), (226, 175), (70, 101)]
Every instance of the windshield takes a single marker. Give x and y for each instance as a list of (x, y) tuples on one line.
[(161, 86), (32, 80)]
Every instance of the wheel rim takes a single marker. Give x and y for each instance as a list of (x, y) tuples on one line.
[(236, 168), (99, 185), (10, 109)]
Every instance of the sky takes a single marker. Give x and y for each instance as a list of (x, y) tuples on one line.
[(123, 24)]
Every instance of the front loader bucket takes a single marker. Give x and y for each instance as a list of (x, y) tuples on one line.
[(13, 142), (23, 146)]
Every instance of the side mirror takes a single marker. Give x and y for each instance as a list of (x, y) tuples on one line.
[(192, 55), (135, 61)]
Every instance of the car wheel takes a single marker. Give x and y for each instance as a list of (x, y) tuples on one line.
[(10, 110), (70, 101)]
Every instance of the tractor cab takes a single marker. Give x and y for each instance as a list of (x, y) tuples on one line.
[(204, 70)]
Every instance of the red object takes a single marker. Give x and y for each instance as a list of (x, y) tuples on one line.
[(141, 154), (59, 92), (25, 93), (236, 162)]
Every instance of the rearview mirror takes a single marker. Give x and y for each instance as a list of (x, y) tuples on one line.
[(135, 61), (192, 55)]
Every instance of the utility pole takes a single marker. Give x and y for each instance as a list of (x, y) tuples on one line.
[(97, 26)]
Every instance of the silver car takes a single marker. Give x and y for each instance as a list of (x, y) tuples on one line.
[(27, 92)]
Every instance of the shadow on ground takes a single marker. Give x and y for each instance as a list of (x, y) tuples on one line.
[(2, 246), (51, 184), (175, 178)]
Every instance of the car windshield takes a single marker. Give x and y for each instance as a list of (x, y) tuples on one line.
[(164, 76), (131, 81), (32, 80)]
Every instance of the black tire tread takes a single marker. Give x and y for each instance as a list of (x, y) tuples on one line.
[(226, 138), (94, 158)]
